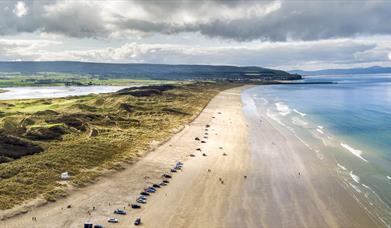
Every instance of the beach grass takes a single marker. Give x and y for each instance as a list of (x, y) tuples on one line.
[(97, 133)]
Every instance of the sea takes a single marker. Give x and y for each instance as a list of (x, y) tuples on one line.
[(349, 121)]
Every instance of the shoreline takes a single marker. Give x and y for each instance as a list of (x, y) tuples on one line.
[(196, 197), (298, 187)]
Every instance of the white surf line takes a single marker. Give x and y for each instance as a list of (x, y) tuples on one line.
[(341, 166), (355, 152), (354, 177), (300, 113)]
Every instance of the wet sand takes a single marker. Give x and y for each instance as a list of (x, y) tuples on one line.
[(272, 195)]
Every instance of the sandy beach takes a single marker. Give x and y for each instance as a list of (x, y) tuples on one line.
[(211, 190)]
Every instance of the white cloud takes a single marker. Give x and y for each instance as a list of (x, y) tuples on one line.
[(20, 9), (284, 55)]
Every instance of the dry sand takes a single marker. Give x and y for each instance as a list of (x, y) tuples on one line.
[(271, 196)]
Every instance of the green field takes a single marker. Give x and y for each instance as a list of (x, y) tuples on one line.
[(63, 79), (86, 135)]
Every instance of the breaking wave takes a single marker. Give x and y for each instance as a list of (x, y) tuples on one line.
[(355, 152), (282, 108)]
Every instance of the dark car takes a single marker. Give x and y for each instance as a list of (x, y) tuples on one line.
[(135, 206), (173, 170), (120, 212), (150, 190), (98, 226), (137, 222), (156, 186), (166, 176), (144, 193), (166, 181)]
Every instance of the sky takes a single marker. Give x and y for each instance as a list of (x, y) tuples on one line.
[(283, 34)]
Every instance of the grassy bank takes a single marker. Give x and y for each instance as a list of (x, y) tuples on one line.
[(87, 135)]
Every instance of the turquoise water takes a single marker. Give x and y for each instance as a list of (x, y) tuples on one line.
[(349, 122)]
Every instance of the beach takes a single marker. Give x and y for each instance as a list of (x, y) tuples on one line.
[(254, 173)]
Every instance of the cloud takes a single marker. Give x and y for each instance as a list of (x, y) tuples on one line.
[(20, 9), (23, 49), (233, 20), (292, 55)]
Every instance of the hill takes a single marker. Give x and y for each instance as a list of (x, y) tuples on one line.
[(147, 71), (368, 70)]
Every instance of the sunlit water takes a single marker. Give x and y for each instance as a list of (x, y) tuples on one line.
[(54, 91), (349, 121)]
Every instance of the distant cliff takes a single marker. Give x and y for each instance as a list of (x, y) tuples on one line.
[(149, 71)]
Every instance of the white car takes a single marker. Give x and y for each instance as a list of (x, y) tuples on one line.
[(112, 220)]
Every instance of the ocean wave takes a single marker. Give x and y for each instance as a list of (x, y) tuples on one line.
[(355, 188), (274, 117), (341, 166), (282, 108), (388, 177), (354, 177), (299, 122), (355, 152), (320, 127), (320, 131), (300, 113), (264, 100)]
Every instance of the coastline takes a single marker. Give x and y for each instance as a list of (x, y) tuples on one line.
[(272, 195), (314, 198)]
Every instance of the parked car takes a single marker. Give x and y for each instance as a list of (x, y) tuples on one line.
[(120, 212), (173, 170), (142, 197), (151, 190), (135, 206), (166, 176), (98, 226), (137, 222), (143, 201), (144, 193), (156, 186), (112, 220)]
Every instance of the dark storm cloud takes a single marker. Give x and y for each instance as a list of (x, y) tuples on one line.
[(237, 20)]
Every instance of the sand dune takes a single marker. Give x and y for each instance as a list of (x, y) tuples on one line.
[(272, 195)]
